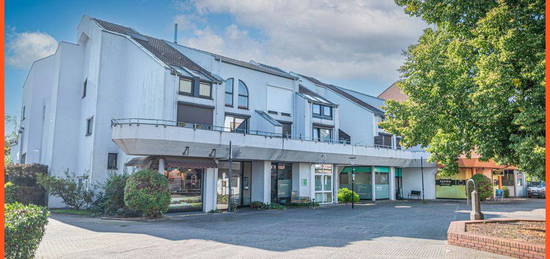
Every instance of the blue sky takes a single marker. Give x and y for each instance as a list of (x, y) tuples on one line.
[(355, 44)]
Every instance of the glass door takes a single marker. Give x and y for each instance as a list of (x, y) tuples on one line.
[(281, 183), (323, 183)]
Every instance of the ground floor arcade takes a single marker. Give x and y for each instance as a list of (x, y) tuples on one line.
[(204, 184)]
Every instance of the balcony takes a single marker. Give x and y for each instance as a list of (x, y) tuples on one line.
[(169, 138)]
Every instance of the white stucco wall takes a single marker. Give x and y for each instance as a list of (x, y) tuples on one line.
[(412, 180)]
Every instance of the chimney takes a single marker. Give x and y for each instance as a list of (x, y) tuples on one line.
[(176, 33)]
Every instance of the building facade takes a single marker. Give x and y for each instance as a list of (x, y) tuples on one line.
[(117, 101)]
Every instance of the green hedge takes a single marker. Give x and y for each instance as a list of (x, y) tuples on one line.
[(25, 178), (24, 229), (147, 191)]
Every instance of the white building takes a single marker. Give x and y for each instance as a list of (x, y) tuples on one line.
[(117, 100)]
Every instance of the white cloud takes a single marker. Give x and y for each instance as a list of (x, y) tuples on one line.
[(26, 47), (346, 39)]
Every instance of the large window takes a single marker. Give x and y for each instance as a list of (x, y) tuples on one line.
[(236, 124), (322, 111), (89, 126), (243, 95), (186, 86), (205, 89), (322, 134), (229, 92)]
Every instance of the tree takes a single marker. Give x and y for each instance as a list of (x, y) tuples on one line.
[(475, 82), (10, 137)]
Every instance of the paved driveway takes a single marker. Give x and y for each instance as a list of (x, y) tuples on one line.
[(402, 229)]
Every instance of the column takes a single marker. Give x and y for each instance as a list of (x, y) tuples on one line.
[(392, 183), (393, 142), (336, 184), (373, 182), (161, 165), (261, 181), (210, 189)]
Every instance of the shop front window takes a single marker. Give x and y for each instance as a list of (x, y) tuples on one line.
[(185, 185)]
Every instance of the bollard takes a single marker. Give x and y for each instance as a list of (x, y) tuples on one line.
[(475, 214)]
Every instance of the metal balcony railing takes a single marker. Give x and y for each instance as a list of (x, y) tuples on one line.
[(197, 126)]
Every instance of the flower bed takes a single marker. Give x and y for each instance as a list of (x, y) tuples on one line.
[(517, 238)]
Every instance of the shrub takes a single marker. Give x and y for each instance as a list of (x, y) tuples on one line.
[(25, 178), (484, 186), (345, 195), (147, 191), (506, 192), (10, 192), (111, 199), (74, 190), (24, 229), (258, 205)]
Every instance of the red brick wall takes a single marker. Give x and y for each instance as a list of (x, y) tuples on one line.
[(457, 235)]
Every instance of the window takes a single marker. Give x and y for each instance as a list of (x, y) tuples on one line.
[(229, 92), (112, 161), (23, 113), (84, 88), (186, 86), (322, 111), (23, 158), (89, 126), (236, 124), (243, 95), (287, 129), (322, 134), (205, 89)]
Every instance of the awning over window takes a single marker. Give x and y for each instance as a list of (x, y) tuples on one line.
[(152, 162), (358, 169)]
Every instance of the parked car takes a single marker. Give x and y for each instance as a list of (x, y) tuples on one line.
[(536, 189)]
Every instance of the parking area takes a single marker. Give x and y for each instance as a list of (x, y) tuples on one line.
[(388, 229)]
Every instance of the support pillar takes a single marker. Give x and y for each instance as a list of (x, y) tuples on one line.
[(373, 182), (161, 165), (392, 183), (210, 189), (261, 181)]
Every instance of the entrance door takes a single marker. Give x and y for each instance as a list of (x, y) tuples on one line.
[(281, 182), (323, 183)]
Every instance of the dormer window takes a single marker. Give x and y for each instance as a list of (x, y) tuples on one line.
[(322, 111), (186, 86), (205, 89)]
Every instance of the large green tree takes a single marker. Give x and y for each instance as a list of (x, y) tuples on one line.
[(475, 81), (10, 136)]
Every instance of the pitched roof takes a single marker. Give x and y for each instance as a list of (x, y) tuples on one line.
[(158, 48), (250, 65), (314, 97), (393, 93), (370, 102)]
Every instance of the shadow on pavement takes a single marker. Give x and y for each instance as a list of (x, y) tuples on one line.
[(298, 228)]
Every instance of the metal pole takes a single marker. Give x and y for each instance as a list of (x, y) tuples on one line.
[(352, 187), (229, 203), (422, 171)]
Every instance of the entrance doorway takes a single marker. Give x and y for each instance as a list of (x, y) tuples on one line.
[(398, 183), (323, 183), (241, 182), (281, 182)]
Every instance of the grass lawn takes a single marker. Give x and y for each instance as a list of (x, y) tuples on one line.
[(72, 212)]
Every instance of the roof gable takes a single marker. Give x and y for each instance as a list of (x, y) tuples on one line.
[(164, 52)]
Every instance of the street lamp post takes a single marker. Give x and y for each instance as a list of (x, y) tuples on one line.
[(352, 159)]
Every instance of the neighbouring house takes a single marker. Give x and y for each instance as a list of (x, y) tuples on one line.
[(118, 100), (454, 187)]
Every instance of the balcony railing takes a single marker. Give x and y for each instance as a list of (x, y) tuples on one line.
[(195, 126)]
